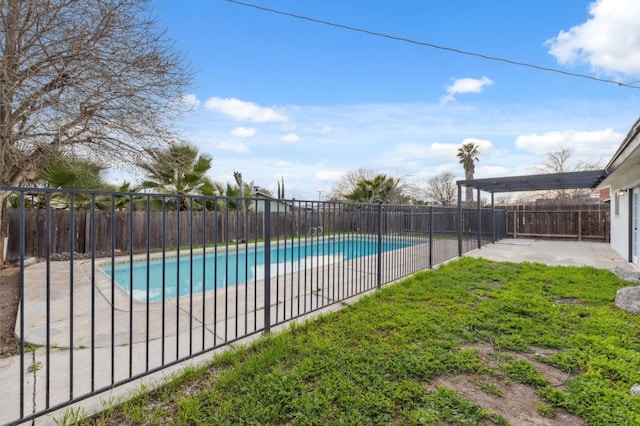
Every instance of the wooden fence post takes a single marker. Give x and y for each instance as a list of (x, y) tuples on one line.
[(579, 225)]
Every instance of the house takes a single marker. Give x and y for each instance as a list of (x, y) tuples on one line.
[(260, 196), (623, 182)]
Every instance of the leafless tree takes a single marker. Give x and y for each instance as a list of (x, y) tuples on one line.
[(556, 162), (349, 181), (442, 188), (505, 199), (400, 190), (238, 178), (562, 161), (91, 77)]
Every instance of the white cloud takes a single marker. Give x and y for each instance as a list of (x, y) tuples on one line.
[(328, 175), (291, 137), (327, 129), (491, 171), (412, 139), (243, 132), (241, 110), (190, 100), (609, 41), (582, 143), (465, 85), (233, 147), (279, 176), (484, 146), (434, 150), (441, 150)]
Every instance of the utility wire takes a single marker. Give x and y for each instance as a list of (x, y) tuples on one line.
[(435, 46)]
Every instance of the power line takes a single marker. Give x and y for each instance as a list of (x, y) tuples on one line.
[(435, 46)]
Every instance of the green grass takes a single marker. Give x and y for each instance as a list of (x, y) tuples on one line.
[(374, 362), (490, 388)]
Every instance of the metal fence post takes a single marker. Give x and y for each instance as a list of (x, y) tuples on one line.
[(379, 271), (493, 220), (430, 236), (72, 231), (460, 222), (21, 319), (479, 220), (267, 266)]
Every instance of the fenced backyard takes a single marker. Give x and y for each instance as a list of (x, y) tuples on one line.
[(130, 284)]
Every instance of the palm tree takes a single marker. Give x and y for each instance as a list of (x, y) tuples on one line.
[(468, 155), (122, 200), (382, 189), (234, 194), (66, 172), (178, 169)]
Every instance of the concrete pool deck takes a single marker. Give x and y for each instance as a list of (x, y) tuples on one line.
[(193, 326), (129, 338), (562, 253)]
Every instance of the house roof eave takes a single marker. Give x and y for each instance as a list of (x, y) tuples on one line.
[(630, 143)]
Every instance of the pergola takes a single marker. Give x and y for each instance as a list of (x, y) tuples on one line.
[(588, 179), (571, 180)]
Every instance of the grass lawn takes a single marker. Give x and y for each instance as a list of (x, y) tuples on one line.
[(494, 327)]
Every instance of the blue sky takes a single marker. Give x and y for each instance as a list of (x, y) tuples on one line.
[(276, 96)]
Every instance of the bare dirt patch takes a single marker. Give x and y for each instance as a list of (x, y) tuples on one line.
[(519, 402), (518, 405), (555, 376), (9, 300)]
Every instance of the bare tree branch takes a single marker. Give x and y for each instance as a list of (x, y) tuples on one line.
[(93, 77), (442, 188), (562, 161), (348, 182)]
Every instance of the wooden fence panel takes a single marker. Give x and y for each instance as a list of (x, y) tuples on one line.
[(586, 222), (125, 231)]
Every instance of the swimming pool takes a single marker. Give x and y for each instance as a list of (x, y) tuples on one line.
[(179, 276)]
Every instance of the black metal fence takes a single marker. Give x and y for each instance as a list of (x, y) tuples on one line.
[(129, 284)]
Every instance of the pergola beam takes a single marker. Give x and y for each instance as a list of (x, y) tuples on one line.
[(544, 182)]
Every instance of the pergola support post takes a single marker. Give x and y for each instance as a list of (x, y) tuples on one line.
[(493, 219)]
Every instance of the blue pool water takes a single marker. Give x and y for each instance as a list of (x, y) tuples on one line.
[(234, 268)]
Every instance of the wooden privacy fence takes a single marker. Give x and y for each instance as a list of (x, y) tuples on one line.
[(56, 231), (589, 222), (124, 230)]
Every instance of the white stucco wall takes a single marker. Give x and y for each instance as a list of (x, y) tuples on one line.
[(620, 224), (259, 204), (624, 174)]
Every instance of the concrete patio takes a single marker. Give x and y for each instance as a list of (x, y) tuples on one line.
[(563, 253)]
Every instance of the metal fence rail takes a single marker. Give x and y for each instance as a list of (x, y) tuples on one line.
[(128, 284)]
